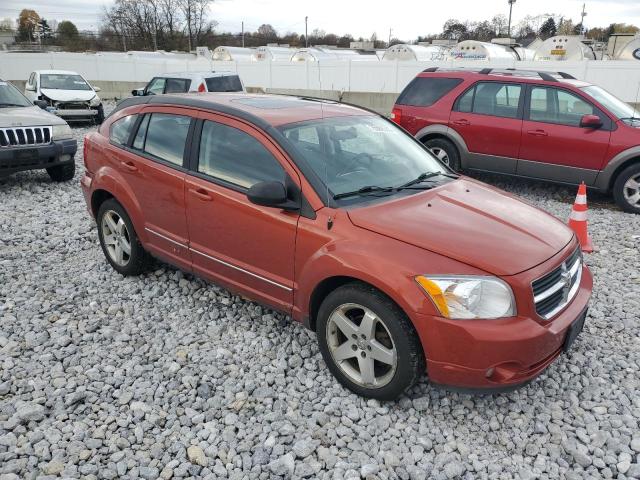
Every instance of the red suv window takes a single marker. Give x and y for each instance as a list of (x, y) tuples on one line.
[(425, 91)]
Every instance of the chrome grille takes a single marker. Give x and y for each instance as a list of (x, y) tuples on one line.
[(19, 136), (555, 290)]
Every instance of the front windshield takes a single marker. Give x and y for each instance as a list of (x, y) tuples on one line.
[(61, 81), (11, 97), (616, 106), (356, 152)]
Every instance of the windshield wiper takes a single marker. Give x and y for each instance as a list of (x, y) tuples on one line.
[(11, 105), (364, 191), (425, 176)]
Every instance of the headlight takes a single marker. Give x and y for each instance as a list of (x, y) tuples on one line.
[(95, 101), (469, 297), (60, 132)]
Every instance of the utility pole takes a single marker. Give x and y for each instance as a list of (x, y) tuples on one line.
[(511, 2), (306, 35), (243, 34), (582, 15), (389, 42)]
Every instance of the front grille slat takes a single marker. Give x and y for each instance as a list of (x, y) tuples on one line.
[(24, 136), (555, 290)]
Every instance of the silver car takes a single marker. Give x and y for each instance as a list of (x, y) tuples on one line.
[(31, 138)]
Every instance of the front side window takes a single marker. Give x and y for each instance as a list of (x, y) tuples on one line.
[(177, 85), (552, 105), (349, 153), (63, 82), (166, 137), (120, 130), (156, 87), (425, 91), (231, 155)]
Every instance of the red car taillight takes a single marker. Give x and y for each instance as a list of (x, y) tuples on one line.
[(396, 115), (202, 88)]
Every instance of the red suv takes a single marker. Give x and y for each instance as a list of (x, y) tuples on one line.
[(541, 125), (335, 216)]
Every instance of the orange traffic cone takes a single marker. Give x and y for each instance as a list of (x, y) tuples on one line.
[(578, 219)]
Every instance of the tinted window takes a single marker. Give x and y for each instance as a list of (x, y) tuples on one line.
[(236, 157), (141, 134), (551, 105), (177, 85), (492, 98), (424, 92), (228, 83), (120, 130), (156, 87), (167, 136)]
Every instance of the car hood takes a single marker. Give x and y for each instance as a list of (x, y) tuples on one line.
[(68, 95), (27, 117), (472, 223)]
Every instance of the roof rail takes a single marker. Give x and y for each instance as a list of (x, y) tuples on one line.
[(546, 76), (566, 76), (430, 69)]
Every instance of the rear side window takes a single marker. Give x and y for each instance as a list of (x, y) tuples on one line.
[(423, 92), (491, 98), (177, 85), (166, 137), (236, 157), (120, 130), (228, 83)]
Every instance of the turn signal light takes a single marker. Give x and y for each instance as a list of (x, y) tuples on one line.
[(396, 115)]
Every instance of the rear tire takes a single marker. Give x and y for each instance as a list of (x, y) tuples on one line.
[(376, 351), (62, 173), (445, 151), (119, 241), (626, 189)]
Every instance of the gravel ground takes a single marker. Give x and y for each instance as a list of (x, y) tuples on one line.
[(168, 376)]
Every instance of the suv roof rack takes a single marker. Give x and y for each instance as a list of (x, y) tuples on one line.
[(546, 76)]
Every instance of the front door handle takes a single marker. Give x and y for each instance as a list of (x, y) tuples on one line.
[(201, 193), (462, 122), (129, 166), (538, 133)]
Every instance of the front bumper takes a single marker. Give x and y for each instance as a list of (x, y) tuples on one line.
[(497, 354), (34, 157), (77, 114)]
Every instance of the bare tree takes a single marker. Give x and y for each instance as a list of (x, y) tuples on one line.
[(195, 17)]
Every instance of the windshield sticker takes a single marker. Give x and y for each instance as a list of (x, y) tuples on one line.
[(380, 128)]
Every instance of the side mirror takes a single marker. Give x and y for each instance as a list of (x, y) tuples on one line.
[(96, 89), (41, 103), (30, 88), (271, 194), (590, 121), (137, 92)]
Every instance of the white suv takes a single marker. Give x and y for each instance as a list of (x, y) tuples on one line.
[(67, 94), (191, 82)]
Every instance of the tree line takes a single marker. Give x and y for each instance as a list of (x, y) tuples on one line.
[(184, 24)]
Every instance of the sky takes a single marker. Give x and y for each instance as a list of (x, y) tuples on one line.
[(406, 18)]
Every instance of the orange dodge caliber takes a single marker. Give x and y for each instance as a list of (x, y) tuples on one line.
[(339, 218)]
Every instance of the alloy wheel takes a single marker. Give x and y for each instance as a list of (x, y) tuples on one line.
[(116, 238), (631, 191), (361, 345), (441, 154)]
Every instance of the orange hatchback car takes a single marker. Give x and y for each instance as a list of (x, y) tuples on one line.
[(339, 218)]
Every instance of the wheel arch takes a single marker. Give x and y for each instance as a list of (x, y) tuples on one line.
[(619, 169), (445, 133), (98, 197)]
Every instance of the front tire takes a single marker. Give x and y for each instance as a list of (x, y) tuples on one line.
[(445, 151), (368, 342), (119, 240), (626, 189), (100, 117), (62, 173)]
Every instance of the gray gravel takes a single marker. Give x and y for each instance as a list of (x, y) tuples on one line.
[(166, 376)]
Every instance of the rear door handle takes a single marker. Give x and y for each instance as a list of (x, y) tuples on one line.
[(538, 133), (201, 193), (129, 166), (462, 123)]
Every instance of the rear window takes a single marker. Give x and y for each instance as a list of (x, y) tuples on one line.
[(229, 83), (425, 91)]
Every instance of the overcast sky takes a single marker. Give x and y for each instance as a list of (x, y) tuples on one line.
[(407, 18)]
